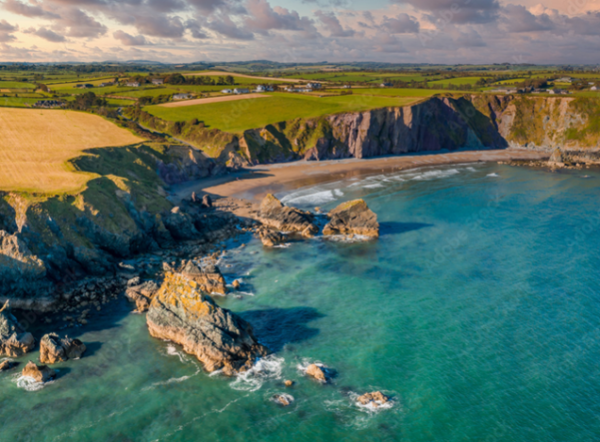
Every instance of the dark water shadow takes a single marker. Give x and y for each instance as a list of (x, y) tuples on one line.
[(91, 348), (277, 327), (397, 228), (61, 372)]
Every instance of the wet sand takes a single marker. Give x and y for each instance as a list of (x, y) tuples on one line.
[(257, 181)]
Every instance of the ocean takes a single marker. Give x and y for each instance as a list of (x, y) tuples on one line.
[(477, 311)]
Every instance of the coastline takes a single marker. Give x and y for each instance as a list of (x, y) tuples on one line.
[(255, 182)]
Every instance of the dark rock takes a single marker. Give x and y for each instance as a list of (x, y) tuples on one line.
[(271, 238), (142, 294), (14, 340), (207, 201), (277, 216), (7, 365)]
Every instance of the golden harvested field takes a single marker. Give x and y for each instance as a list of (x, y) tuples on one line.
[(35, 146)]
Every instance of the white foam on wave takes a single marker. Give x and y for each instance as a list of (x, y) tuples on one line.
[(348, 238), (287, 397), (266, 368), (373, 186), (170, 381), (282, 246), (30, 384), (312, 198), (173, 351), (435, 174), (493, 175)]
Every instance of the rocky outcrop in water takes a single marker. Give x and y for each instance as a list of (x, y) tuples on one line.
[(352, 218), (271, 238), (142, 294), (375, 399), (14, 340), (181, 312), (275, 215), (53, 349), (40, 373), (319, 372), (7, 365), (209, 279)]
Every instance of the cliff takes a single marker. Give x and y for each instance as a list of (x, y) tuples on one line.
[(439, 123)]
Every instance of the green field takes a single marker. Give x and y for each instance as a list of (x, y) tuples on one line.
[(237, 116), (363, 77), (461, 81), (392, 92), (16, 85), (150, 92)]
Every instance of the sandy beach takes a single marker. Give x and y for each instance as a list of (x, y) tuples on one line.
[(257, 181)]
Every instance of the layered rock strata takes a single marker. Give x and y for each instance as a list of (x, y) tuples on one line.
[(181, 312), (14, 340), (55, 349), (352, 218), (275, 215)]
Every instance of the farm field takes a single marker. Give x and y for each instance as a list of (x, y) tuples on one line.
[(392, 92), (150, 92), (36, 144), (367, 77), (17, 101), (240, 78), (461, 81), (238, 116), (16, 85), (203, 101)]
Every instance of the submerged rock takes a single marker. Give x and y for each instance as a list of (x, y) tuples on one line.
[(183, 313), (53, 349), (271, 238), (319, 372), (284, 400), (209, 279), (7, 365), (14, 340), (142, 295), (40, 373), (274, 214), (374, 399), (352, 218)]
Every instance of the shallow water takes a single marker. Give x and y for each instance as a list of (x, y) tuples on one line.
[(477, 311)]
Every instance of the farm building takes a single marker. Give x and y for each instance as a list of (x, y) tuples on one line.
[(158, 81), (265, 88), (48, 104), (227, 91), (594, 88), (241, 91), (505, 90), (386, 85), (564, 80), (84, 86), (132, 84), (314, 85), (106, 84), (182, 96)]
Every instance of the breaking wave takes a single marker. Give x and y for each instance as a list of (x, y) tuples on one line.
[(264, 369)]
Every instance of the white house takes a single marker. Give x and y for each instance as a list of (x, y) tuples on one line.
[(241, 91), (386, 85), (105, 84), (314, 85), (158, 81), (132, 84), (264, 88), (594, 88), (565, 80), (182, 96), (227, 91)]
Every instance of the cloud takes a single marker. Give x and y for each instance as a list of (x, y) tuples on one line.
[(401, 24), (227, 28), (332, 23), (262, 18), (6, 30), (160, 26), (46, 34), (519, 19), (16, 7), (458, 11), (80, 25), (130, 40)]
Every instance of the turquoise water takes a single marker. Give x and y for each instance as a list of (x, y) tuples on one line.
[(477, 311)]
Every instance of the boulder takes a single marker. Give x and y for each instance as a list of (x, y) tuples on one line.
[(183, 313), (236, 284), (271, 238), (352, 218), (6, 365), (207, 201), (319, 372), (288, 383), (40, 373), (209, 279), (142, 295), (284, 400), (556, 159), (375, 399), (53, 349), (14, 340), (274, 214)]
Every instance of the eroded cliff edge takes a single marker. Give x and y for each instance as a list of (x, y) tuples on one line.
[(439, 123)]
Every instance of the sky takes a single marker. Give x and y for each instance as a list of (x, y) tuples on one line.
[(394, 31)]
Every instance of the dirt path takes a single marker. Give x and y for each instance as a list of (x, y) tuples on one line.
[(257, 181), (213, 100), (233, 74)]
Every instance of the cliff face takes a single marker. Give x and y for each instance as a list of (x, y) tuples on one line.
[(439, 123)]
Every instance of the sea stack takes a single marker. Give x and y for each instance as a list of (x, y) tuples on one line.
[(275, 215), (53, 349), (14, 340), (352, 218), (181, 312)]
